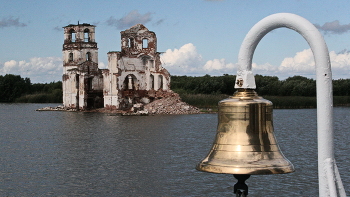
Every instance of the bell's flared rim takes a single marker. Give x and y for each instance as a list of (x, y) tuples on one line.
[(265, 170)]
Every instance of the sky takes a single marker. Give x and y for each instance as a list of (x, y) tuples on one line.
[(197, 37)]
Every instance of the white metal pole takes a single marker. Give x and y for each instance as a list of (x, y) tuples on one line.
[(245, 78)]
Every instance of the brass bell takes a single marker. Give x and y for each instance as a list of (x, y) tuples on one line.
[(245, 142)]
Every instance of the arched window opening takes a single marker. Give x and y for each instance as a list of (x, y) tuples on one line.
[(151, 62), (88, 56), (131, 42), (70, 58), (160, 81), (151, 81), (130, 82), (145, 43), (86, 35), (72, 35)]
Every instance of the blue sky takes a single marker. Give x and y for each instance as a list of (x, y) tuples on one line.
[(198, 36)]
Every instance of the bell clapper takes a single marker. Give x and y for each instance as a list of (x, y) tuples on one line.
[(240, 188)]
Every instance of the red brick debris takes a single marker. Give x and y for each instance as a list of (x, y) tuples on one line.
[(170, 105)]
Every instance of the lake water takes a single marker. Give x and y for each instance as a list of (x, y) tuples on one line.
[(93, 154)]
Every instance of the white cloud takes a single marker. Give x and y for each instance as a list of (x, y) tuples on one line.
[(220, 66), (38, 69), (187, 61), (216, 64), (340, 64), (302, 62)]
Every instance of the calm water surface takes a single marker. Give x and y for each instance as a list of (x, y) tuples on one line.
[(92, 154)]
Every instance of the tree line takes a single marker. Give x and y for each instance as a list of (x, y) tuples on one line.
[(265, 85), (14, 88)]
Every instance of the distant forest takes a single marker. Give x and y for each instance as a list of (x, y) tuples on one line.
[(292, 93), (265, 85), (14, 88)]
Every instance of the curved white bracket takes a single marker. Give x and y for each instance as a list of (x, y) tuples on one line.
[(245, 79), (291, 21)]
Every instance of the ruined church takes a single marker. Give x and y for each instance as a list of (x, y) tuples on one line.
[(134, 75)]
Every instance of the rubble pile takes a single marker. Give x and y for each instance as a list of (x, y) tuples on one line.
[(58, 108), (170, 105)]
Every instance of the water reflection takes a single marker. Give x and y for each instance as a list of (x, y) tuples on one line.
[(91, 154)]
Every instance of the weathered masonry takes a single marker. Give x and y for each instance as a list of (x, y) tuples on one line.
[(82, 80), (134, 75)]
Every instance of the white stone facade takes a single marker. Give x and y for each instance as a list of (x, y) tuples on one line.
[(134, 74)]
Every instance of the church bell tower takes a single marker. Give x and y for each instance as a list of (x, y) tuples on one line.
[(82, 80)]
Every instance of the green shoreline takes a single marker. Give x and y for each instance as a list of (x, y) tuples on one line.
[(209, 102), (203, 92)]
